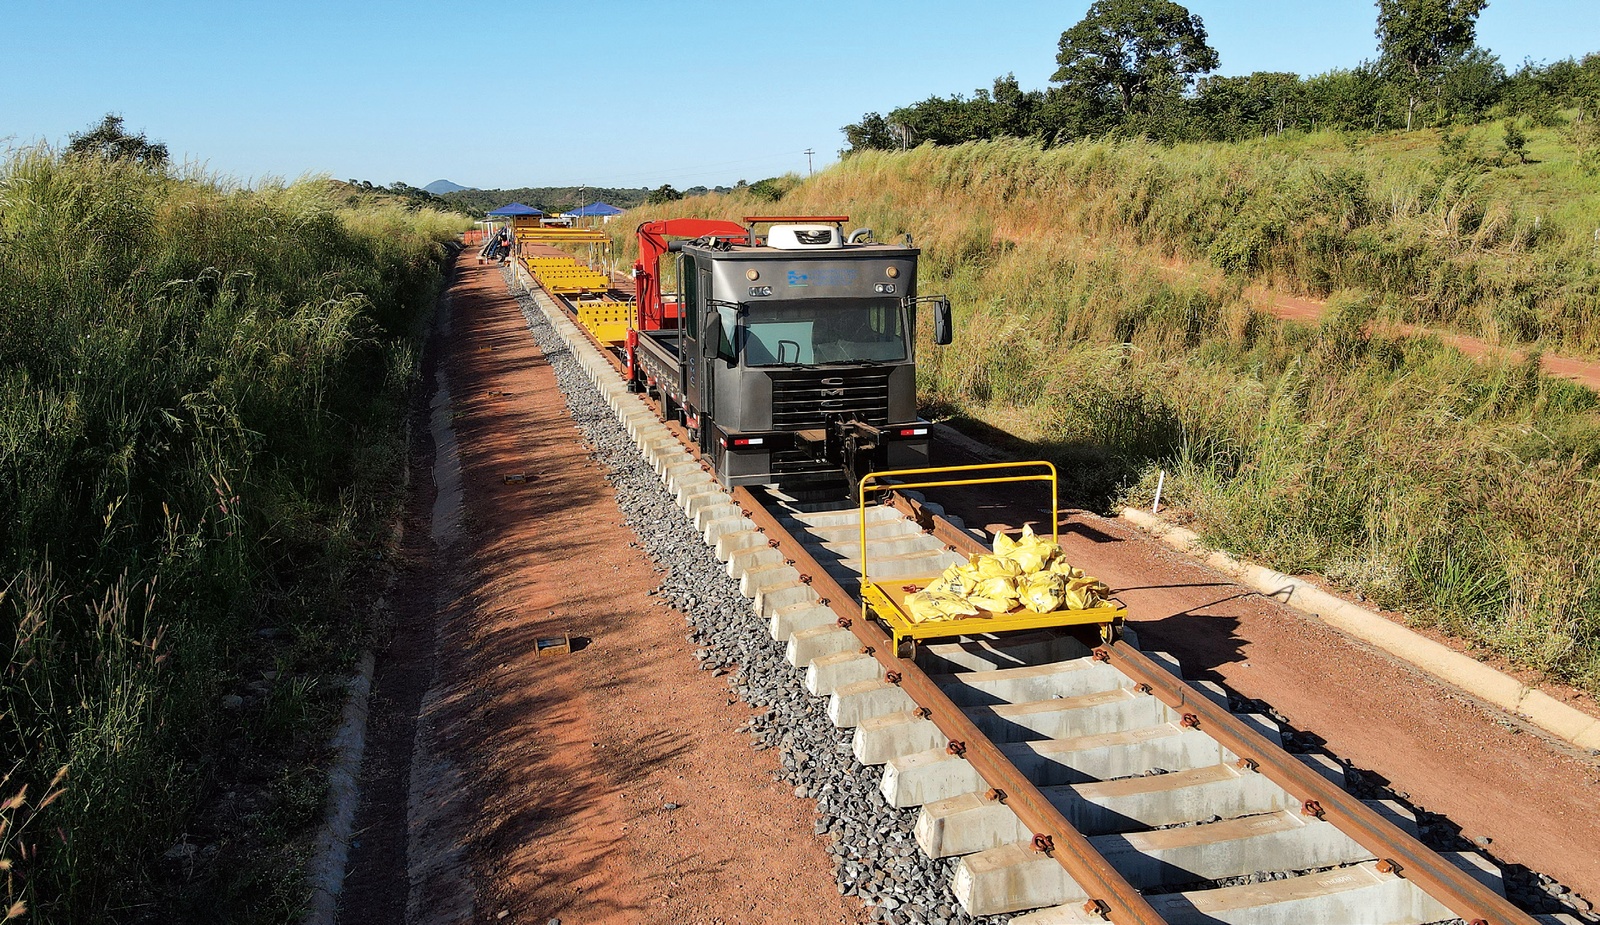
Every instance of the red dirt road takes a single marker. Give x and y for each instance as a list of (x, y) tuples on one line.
[(1586, 372), (538, 785)]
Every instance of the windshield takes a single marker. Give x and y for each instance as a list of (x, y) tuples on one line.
[(807, 332)]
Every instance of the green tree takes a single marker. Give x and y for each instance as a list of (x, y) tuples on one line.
[(111, 141), (663, 193), (1132, 50), (1515, 141), (773, 189), (1014, 111), (872, 133), (1584, 132), (1004, 111), (1470, 82), (1417, 37), (1585, 138), (1266, 102), (1348, 99)]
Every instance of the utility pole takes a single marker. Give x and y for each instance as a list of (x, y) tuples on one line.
[(808, 152)]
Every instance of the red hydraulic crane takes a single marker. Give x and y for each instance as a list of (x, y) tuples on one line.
[(653, 313)]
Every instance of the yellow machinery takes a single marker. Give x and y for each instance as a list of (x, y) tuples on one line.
[(587, 290), (552, 235), (886, 599), (565, 276), (605, 318)]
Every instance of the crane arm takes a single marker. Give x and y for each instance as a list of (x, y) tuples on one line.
[(651, 313)]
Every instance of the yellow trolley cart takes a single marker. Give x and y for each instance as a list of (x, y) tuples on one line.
[(885, 599)]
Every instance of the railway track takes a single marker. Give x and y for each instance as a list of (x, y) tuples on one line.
[(1065, 779)]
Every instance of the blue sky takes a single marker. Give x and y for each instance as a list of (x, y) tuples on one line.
[(599, 92)]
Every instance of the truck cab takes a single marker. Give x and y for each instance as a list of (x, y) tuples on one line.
[(793, 363)]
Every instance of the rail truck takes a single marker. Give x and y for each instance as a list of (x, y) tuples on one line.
[(787, 356)]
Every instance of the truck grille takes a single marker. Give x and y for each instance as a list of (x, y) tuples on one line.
[(803, 399)]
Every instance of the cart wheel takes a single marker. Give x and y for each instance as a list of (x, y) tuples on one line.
[(905, 648)]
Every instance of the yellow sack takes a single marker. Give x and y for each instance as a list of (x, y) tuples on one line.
[(999, 589), (1094, 591), (956, 607), (992, 605), (921, 607), (957, 579), (1030, 552), (1033, 557), (1087, 583), (1064, 568), (996, 567), (1042, 593), (933, 606)]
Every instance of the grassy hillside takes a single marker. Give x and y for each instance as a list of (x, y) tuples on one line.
[(1462, 492), (201, 390), (1508, 254)]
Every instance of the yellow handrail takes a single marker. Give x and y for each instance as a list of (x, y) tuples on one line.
[(1055, 509)]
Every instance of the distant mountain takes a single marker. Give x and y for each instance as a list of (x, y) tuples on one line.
[(440, 187)]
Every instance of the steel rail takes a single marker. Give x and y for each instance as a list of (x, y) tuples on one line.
[(1457, 890), (1110, 893), (1434, 874)]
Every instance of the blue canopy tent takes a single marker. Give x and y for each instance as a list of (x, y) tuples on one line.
[(516, 208), (596, 209), (604, 211)]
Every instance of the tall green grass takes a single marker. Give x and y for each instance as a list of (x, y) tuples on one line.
[(200, 395), (1463, 492), (1509, 254)]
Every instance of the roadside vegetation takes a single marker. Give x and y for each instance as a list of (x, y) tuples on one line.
[(1144, 68), (202, 390), (1417, 227), (1487, 226), (1462, 492)]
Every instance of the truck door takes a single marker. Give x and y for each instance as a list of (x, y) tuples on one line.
[(702, 399), (688, 322)]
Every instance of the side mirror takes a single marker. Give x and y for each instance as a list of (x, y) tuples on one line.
[(943, 332), (711, 334)]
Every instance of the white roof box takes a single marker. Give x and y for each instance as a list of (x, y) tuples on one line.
[(804, 237)]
